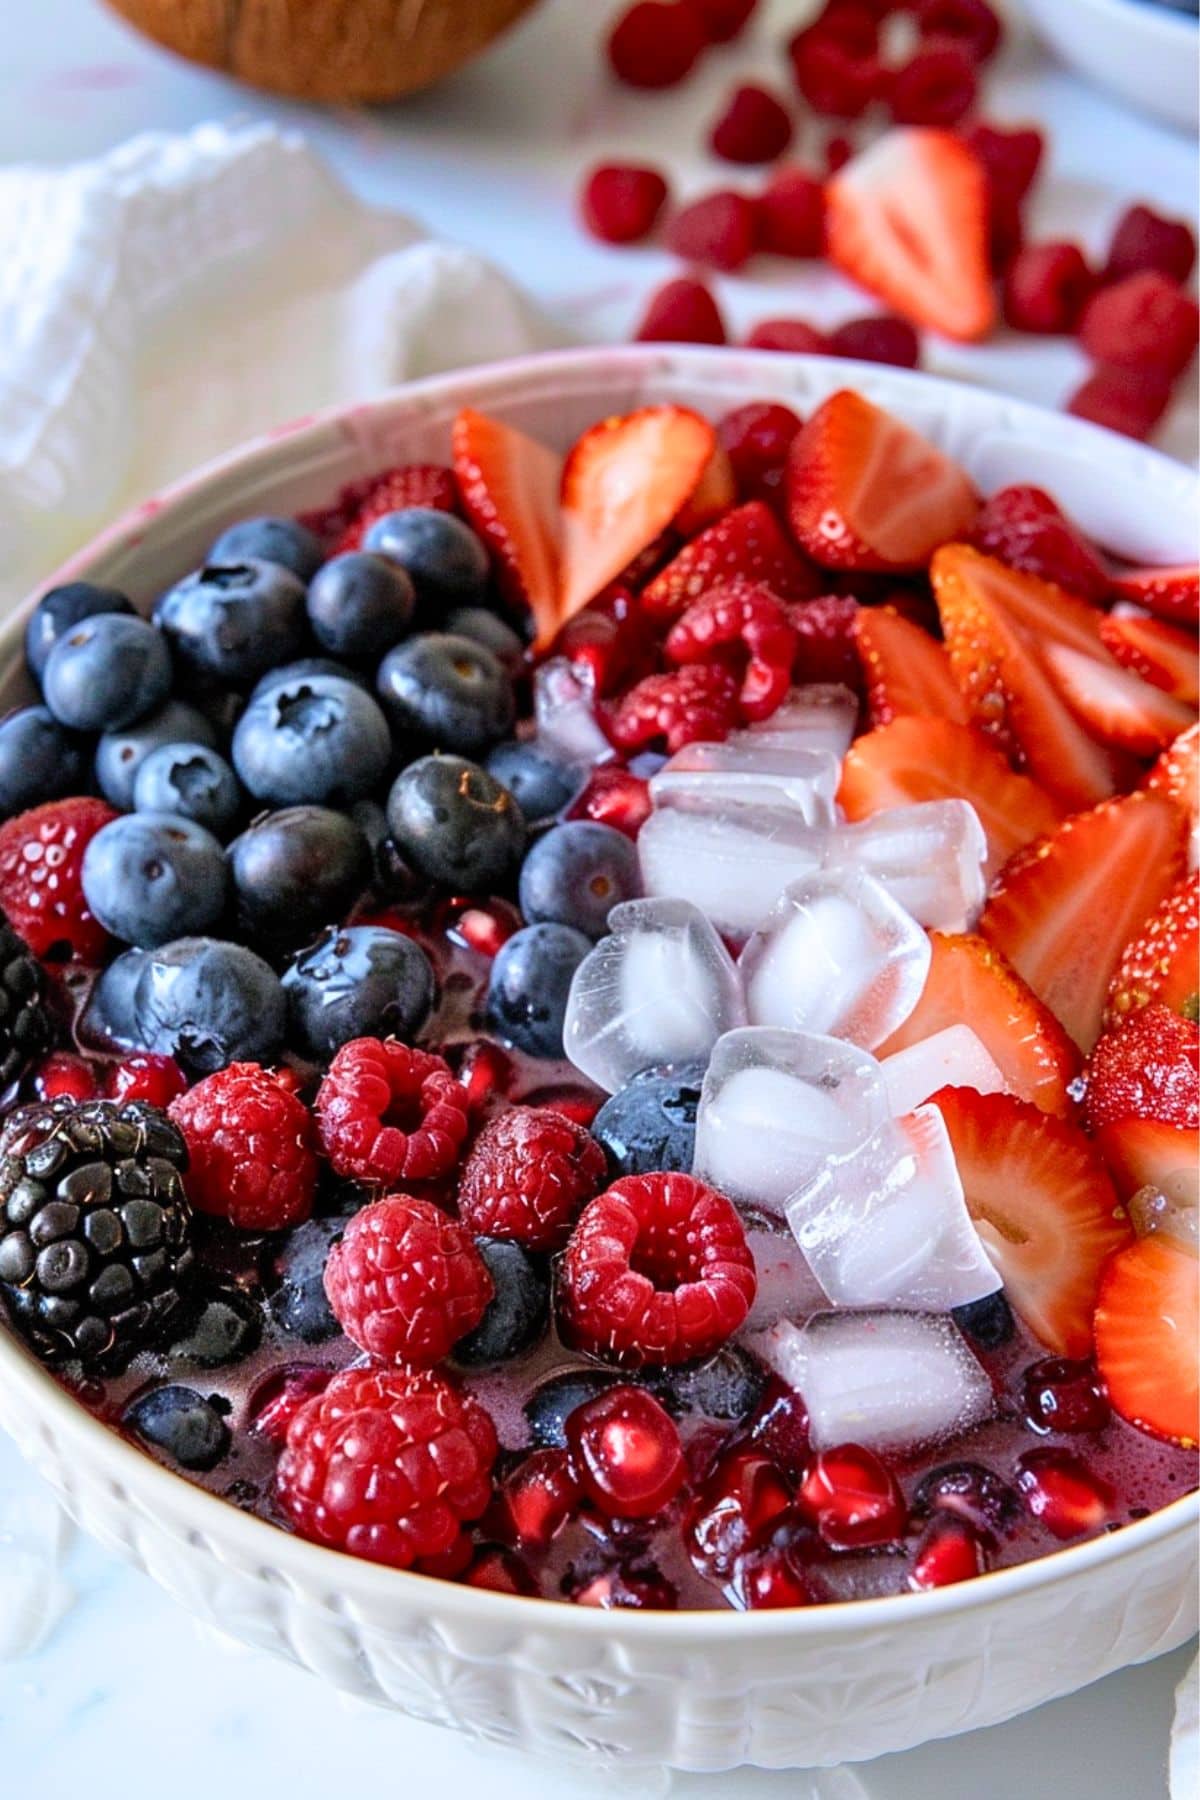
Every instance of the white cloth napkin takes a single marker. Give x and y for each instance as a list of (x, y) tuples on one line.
[(179, 295)]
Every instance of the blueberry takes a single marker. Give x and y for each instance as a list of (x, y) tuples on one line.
[(443, 557), (281, 541), (448, 692), (208, 1003), (483, 627), (225, 1329), (360, 605), (234, 620), (295, 872), (60, 610), (181, 1422), (454, 824), (576, 874), (530, 980), (320, 741), (120, 754), (301, 670), (551, 1404), (106, 672), (38, 760), (150, 877), (191, 781), (358, 981), (299, 1304), (650, 1123), (727, 1387), (989, 1321), (108, 1017), (541, 786), (518, 1313)]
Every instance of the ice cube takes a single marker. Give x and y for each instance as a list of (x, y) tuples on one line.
[(887, 1380), (732, 861), (929, 857), (775, 1104), (817, 716), (837, 955), (564, 705), (954, 1057), (888, 1225), (787, 1287), (660, 988), (750, 773)]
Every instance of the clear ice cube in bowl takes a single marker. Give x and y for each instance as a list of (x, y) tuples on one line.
[(732, 859), (748, 772), (929, 856), (564, 706), (819, 715), (954, 1057)]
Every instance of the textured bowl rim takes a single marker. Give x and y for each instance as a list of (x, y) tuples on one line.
[(317, 1567)]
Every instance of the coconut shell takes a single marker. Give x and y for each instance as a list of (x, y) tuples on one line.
[(335, 50)]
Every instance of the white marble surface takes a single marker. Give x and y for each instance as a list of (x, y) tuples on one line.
[(125, 1695)]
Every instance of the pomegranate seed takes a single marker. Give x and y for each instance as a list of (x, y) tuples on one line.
[(156, 1079), (485, 1071), (1061, 1395), (780, 1428), (948, 1552), (482, 927), (535, 1501), (626, 1452), (276, 1401), (742, 1499), (614, 797), (62, 1074), (500, 1572), (572, 1102), (612, 638), (641, 1589), (852, 1499), (771, 1578), (968, 1491), (1063, 1494)]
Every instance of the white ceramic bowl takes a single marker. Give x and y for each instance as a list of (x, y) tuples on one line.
[(1147, 54), (701, 1691)]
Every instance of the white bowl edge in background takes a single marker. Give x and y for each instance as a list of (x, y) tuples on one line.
[(1144, 53)]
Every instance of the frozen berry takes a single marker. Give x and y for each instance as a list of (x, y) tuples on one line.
[(518, 1313), (650, 1123), (1046, 287), (317, 741), (883, 338), (106, 672), (60, 610), (39, 760), (182, 1423), (852, 1499), (270, 539), (406, 1282), (682, 312), (528, 1177), (791, 214), (223, 1329), (626, 1452), (540, 785), (251, 1148), (655, 44), (120, 754), (1143, 240), (621, 201), (718, 230), (357, 981), (234, 621), (360, 604), (1131, 401), (529, 984), (794, 337), (387, 1113), (455, 824), (1061, 1395), (149, 877), (207, 1002), (189, 781), (936, 87), (41, 889), (757, 438), (755, 127), (299, 1304), (1143, 322), (575, 874), (1063, 1494)]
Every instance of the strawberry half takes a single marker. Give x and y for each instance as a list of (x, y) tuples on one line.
[(1147, 1323), (1161, 654), (970, 983), (1065, 907), (1150, 1153), (1162, 961), (915, 759), (865, 491), (714, 494), (1172, 594), (622, 483), (908, 220), (509, 486), (1148, 1070), (1044, 1206), (904, 669), (1115, 706), (748, 544)]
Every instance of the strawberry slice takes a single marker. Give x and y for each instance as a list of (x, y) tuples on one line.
[(714, 494), (1171, 594), (1177, 773), (1147, 1323), (1008, 691), (865, 491), (623, 482), (509, 486), (1043, 610), (908, 220), (1117, 707), (916, 759), (1161, 654), (970, 983), (1161, 962), (747, 543), (1149, 1070), (1044, 1206), (1065, 907), (1150, 1153), (904, 669)]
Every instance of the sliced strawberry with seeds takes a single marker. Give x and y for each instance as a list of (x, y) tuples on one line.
[(1148, 1070), (1161, 654), (1147, 1323), (866, 491), (1044, 1206), (915, 759), (1162, 961), (1172, 594), (1151, 1153), (904, 669), (1177, 773), (509, 485), (908, 220), (1065, 907), (713, 494), (969, 982), (623, 483), (747, 544), (1114, 705)]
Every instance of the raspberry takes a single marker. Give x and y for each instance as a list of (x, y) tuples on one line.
[(41, 854), (657, 1271), (826, 649), (1143, 322), (791, 214), (62, 1074), (655, 44), (723, 20), (416, 484), (838, 152), (406, 1282), (680, 708), (621, 201), (682, 312), (155, 1079), (755, 127), (1046, 288), (387, 1113), (757, 438), (936, 88), (528, 1177), (792, 336), (251, 1149), (747, 616), (1010, 159), (852, 23), (613, 797), (881, 339), (1131, 401), (720, 230), (387, 1464), (837, 81), (1023, 527), (971, 26), (1145, 240)]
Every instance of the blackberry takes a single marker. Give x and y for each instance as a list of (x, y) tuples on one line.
[(25, 1027), (95, 1228)]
